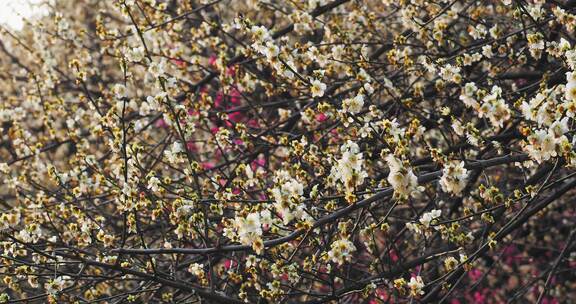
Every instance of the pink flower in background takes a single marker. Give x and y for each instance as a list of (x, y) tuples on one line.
[(191, 146), (510, 255), (393, 255), (475, 274), (212, 60), (259, 162), (479, 298), (218, 100), (207, 165), (236, 116), (231, 71), (161, 123), (253, 123), (549, 300), (228, 102), (179, 63), (382, 294), (235, 97), (193, 112), (230, 263)]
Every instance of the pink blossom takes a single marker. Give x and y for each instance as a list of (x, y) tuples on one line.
[(180, 63), (161, 123), (236, 116), (549, 300), (218, 100), (207, 165), (230, 263), (231, 71), (321, 117), (191, 146), (235, 97), (475, 274), (393, 255), (259, 162), (479, 298), (253, 123), (212, 60), (382, 294)]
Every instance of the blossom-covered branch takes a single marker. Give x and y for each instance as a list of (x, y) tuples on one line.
[(318, 151)]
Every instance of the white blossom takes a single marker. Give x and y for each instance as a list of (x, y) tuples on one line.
[(428, 217), (349, 169), (454, 177), (317, 88), (353, 105), (416, 285), (341, 251), (136, 54), (402, 178), (57, 285)]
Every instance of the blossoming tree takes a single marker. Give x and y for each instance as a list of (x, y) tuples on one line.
[(315, 151)]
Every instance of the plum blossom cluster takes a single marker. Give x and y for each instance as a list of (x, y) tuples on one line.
[(349, 170), (249, 231), (553, 113), (341, 251), (401, 177), (454, 178), (424, 223), (487, 104), (288, 197)]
